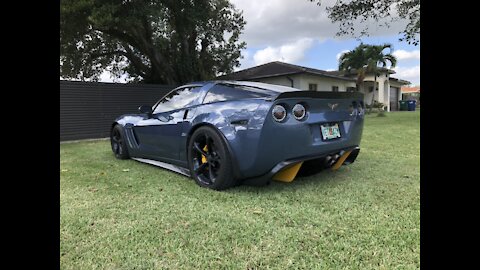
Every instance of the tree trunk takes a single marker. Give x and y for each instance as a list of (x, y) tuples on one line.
[(373, 93)]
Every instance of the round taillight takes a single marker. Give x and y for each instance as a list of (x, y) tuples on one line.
[(299, 111), (279, 113)]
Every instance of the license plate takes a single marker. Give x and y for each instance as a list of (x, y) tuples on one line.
[(330, 131)]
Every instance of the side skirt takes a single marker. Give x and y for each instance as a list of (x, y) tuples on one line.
[(164, 165)]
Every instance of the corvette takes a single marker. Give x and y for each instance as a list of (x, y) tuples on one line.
[(224, 133)]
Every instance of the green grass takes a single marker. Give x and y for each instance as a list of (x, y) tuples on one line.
[(128, 215)]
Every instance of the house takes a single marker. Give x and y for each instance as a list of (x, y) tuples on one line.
[(411, 93), (311, 79)]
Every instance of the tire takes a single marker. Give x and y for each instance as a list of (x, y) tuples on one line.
[(209, 160), (118, 143)]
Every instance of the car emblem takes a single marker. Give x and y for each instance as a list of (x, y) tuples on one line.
[(333, 106)]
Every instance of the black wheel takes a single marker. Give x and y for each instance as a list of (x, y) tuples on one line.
[(209, 161), (117, 140)]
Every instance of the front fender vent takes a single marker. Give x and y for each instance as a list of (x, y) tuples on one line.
[(131, 138)]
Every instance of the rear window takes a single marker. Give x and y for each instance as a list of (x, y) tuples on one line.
[(221, 92)]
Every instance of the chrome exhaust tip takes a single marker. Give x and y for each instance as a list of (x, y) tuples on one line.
[(331, 159)]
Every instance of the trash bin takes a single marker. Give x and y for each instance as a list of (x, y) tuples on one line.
[(411, 105), (403, 105)]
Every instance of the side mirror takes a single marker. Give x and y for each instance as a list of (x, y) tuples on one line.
[(146, 109)]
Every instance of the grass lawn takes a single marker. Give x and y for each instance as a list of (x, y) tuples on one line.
[(128, 215)]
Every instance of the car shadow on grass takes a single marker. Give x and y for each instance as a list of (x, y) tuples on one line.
[(323, 179)]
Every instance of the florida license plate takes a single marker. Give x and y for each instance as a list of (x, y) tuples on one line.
[(330, 131)]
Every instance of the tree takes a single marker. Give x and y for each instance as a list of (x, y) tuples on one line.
[(376, 56), (348, 12), (355, 61), (156, 41), (366, 59)]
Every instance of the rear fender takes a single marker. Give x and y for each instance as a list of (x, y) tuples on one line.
[(236, 122)]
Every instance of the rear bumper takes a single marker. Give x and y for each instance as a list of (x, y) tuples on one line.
[(259, 151), (265, 145), (266, 178)]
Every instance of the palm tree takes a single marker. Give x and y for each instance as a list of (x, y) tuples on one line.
[(355, 60), (376, 56), (365, 59)]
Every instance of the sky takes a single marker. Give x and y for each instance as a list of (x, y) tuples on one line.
[(300, 32)]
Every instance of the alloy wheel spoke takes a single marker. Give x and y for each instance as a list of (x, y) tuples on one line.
[(215, 157), (205, 158), (116, 135), (210, 173), (200, 150), (201, 168), (208, 143)]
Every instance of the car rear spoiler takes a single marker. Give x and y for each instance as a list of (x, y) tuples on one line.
[(321, 94)]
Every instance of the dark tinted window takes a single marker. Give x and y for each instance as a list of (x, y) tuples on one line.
[(178, 99), (223, 92)]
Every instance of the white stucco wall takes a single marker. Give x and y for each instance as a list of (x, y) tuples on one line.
[(280, 80), (367, 96), (324, 83), (383, 92), (301, 81)]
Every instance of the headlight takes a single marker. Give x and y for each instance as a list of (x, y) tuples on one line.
[(299, 111), (279, 113)]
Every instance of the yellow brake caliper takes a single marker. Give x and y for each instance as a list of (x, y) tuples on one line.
[(204, 158)]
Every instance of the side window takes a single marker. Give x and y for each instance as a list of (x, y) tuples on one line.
[(178, 99), (312, 87), (222, 92), (334, 88)]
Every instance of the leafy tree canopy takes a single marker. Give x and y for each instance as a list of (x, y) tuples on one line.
[(349, 12), (156, 41), (365, 59)]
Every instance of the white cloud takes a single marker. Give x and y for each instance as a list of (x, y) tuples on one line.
[(411, 74), (340, 54), (246, 61), (290, 52), (406, 55), (277, 22)]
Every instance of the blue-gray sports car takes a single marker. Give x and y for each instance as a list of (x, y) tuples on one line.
[(223, 133)]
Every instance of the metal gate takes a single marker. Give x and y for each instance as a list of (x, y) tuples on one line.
[(87, 109), (394, 98)]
